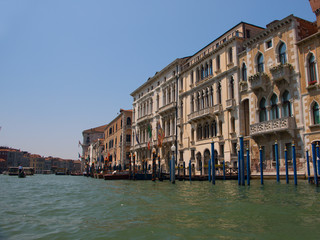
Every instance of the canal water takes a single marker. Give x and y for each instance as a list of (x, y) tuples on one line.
[(70, 207)]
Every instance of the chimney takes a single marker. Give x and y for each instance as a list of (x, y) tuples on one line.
[(315, 5)]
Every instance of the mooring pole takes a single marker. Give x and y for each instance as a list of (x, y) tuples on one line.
[(294, 164), (314, 157), (239, 169), (154, 164), (134, 166), (190, 170), (184, 170), (261, 166), (286, 162), (242, 161), (248, 167), (209, 170), (318, 161), (130, 166), (308, 165), (277, 160), (224, 170), (170, 170), (213, 164), (173, 149)]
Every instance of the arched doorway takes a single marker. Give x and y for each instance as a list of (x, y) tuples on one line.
[(199, 162), (206, 156)]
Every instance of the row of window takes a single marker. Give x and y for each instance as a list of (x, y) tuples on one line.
[(112, 142), (111, 129)]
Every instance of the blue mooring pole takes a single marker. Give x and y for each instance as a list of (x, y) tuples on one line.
[(314, 157), (277, 160), (248, 167), (173, 170), (318, 161), (190, 170), (170, 170), (286, 162), (261, 166), (308, 165), (239, 169), (242, 161), (209, 170), (294, 164), (213, 164)]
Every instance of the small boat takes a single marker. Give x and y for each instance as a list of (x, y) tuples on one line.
[(22, 174)]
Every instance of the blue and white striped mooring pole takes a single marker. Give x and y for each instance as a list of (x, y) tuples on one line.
[(248, 167), (318, 160), (213, 165), (294, 164), (314, 157), (261, 166), (277, 160), (286, 162), (308, 165)]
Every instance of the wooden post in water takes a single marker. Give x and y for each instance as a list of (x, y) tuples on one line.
[(184, 170), (286, 162), (209, 170), (224, 170), (318, 161), (261, 165), (190, 170), (277, 160), (173, 149), (153, 164), (308, 165), (134, 166), (248, 167), (159, 167), (294, 164), (314, 157), (130, 166), (213, 164), (239, 169)]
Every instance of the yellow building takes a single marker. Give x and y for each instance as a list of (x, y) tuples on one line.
[(117, 140)]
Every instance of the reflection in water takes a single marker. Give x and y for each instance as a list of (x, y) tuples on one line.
[(66, 207)]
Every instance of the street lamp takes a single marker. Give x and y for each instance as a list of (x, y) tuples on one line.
[(173, 149)]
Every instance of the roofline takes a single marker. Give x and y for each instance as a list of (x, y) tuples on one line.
[(226, 33)]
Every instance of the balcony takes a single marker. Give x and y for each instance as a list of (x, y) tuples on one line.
[(144, 118), (203, 113), (167, 108), (259, 81), (281, 72), (168, 139), (273, 126), (179, 121), (217, 109), (230, 104)]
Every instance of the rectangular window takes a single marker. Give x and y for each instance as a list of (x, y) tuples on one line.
[(248, 33), (289, 151), (268, 44), (128, 138)]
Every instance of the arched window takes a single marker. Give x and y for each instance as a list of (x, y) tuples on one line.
[(233, 124), (230, 55), (286, 105), (260, 63), (128, 121), (206, 70), (218, 62), (211, 96), (219, 93), (274, 114), (199, 132), (315, 113), (244, 72), (263, 110), (210, 67), (213, 129), (312, 69), (206, 130), (231, 88), (282, 53)]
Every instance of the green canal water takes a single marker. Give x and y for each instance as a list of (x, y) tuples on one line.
[(67, 207)]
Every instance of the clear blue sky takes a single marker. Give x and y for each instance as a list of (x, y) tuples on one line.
[(70, 65)]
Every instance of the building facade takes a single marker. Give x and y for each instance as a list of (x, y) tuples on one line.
[(117, 140)]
